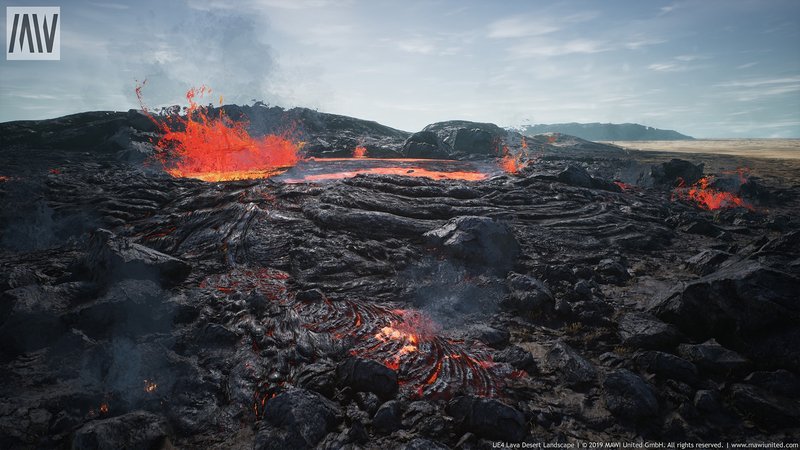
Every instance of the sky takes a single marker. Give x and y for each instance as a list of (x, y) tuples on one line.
[(706, 68)]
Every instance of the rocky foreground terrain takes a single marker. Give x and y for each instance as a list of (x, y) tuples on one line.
[(551, 305)]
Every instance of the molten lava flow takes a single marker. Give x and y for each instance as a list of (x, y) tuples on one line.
[(428, 365), (403, 171), (709, 198), (360, 152), (623, 186), (511, 164), (217, 148)]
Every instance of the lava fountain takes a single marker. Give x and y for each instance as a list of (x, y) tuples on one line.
[(217, 148)]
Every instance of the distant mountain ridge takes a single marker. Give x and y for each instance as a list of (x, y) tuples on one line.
[(606, 131)]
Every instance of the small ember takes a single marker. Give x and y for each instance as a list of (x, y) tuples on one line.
[(150, 386)]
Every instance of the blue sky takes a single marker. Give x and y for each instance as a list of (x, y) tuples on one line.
[(708, 68)]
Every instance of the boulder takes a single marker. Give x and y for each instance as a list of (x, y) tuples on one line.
[(387, 419), (770, 411), (712, 357), (611, 271), (319, 377), (519, 358), (570, 367), (578, 176), (670, 173), (493, 337), (707, 261), (480, 241), (465, 139), (641, 330), (367, 375), (296, 418), (667, 366), (528, 294), (425, 144), (702, 227), (488, 418), (738, 300), (135, 430), (629, 397), (575, 176)]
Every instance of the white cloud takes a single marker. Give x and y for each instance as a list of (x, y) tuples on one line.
[(759, 82), (517, 27), (534, 48), (667, 67)]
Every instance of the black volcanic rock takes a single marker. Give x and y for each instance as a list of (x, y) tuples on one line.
[(324, 134), (707, 261), (733, 302), (367, 375), (528, 294), (641, 330), (577, 176), (32, 316), (629, 397), (667, 365), (388, 417), (112, 257), (575, 370), (672, 172), (488, 418), (480, 241), (768, 410), (296, 419), (135, 430), (425, 144), (469, 138), (712, 357), (319, 377)]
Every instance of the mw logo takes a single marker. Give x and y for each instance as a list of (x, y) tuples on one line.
[(33, 33)]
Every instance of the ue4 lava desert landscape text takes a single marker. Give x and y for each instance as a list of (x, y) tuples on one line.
[(337, 282)]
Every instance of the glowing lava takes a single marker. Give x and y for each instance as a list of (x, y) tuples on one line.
[(624, 186), (217, 148), (514, 163), (330, 169), (360, 152), (709, 198)]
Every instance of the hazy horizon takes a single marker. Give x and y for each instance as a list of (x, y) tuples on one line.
[(711, 69)]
